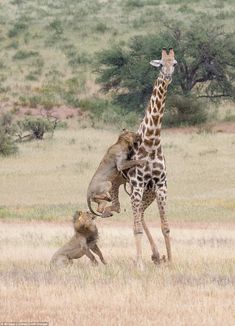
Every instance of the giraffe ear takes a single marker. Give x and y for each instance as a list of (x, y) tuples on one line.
[(156, 63)]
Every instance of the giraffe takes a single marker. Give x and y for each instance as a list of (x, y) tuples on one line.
[(150, 182)]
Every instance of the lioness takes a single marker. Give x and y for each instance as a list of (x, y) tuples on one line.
[(82, 243), (109, 171)]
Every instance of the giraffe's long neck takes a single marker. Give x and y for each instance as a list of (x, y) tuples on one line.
[(150, 127)]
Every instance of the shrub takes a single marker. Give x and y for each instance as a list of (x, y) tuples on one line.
[(184, 110), (38, 126), (101, 27), (7, 145), (21, 55), (96, 106), (6, 123), (134, 3), (18, 28), (56, 26), (31, 76), (105, 112), (31, 101), (229, 116)]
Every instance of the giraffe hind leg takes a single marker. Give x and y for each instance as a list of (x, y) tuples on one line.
[(148, 198), (136, 202), (161, 201)]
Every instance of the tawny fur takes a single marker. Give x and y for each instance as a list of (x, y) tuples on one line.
[(109, 173), (82, 243)]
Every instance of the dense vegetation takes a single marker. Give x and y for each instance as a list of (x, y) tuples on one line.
[(205, 69), (49, 49), (13, 131)]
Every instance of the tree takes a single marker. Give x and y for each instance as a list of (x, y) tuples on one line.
[(38, 126), (206, 63), (7, 144)]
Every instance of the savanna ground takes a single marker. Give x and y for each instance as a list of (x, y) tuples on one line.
[(43, 185)]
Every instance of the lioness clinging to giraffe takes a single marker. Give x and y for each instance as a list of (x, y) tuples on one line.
[(108, 174)]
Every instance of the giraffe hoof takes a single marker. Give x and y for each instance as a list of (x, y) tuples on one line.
[(156, 259), (163, 259)]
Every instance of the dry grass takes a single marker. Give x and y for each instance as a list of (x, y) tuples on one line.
[(197, 289), (49, 179)]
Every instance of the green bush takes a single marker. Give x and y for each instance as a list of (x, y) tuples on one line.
[(96, 106), (21, 55), (6, 123), (134, 3), (38, 126), (32, 76), (229, 116), (184, 110), (101, 27), (102, 111), (18, 28), (7, 145), (56, 26)]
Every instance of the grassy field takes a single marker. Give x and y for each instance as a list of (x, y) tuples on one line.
[(197, 289), (47, 180), (47, 60)]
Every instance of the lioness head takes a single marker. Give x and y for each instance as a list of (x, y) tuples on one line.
[(129, 137), (84, 222)]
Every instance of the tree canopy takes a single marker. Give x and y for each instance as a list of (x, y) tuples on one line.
[(205, 55)]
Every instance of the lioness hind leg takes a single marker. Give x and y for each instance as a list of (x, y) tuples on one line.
[(98, 252), (60, 261), (92, 257), (104, 196), (103, 191), (114, 192)]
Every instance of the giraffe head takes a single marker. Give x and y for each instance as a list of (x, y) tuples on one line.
[(166, 64)]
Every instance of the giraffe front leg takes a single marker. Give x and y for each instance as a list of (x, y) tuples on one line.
[(136, 198), (161, 201)]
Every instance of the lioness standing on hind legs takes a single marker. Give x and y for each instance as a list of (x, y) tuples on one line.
[(108, 174)]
